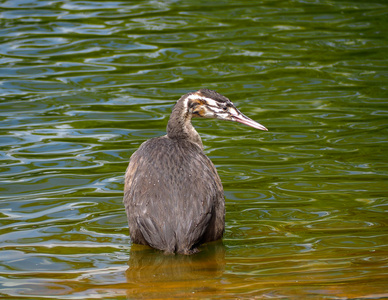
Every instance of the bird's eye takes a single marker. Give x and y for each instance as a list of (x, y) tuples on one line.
[(225, 108)]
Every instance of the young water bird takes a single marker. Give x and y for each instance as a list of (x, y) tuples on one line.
[(173, 195)]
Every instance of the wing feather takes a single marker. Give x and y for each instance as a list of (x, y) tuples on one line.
[(173, 196)]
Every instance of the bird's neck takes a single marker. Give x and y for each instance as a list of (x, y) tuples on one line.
[(179, 126)]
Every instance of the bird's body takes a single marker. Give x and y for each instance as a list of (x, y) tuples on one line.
[(173, 195)]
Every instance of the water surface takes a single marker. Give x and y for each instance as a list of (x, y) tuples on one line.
[(84, 83)]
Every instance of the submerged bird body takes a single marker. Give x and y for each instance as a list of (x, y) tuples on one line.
[(173, 195)]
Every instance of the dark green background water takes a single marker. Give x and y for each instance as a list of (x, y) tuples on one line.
[(84, 83)]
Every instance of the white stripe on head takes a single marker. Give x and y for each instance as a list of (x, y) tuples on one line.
[(209, 101), (233, 111)]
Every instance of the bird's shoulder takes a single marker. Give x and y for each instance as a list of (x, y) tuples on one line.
[(174, 159), (161, 149)]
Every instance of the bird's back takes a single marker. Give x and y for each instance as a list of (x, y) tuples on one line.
[(173, 196)]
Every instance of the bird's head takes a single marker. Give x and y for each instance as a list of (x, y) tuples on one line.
[(210, 104)]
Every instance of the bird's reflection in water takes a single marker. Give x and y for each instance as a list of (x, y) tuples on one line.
[(152, 274)]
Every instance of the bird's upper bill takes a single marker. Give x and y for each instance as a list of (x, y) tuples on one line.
[(243, 119), (210, 104)]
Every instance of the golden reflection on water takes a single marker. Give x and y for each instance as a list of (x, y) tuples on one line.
[(155, 275), (212, 273)]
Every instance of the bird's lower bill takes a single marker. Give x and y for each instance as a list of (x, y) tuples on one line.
[(248, 121)]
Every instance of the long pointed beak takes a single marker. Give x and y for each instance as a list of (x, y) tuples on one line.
[(243, 119)]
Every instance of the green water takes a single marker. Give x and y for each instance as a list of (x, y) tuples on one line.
[(84, 83)]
